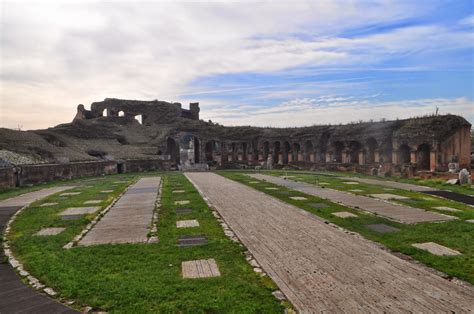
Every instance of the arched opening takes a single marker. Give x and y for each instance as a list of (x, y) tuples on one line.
[(139, 118), (323, 145), (121, 113), (276, 152), (404, 153), (308, 150), (286, 151), (295, 152), (189, 149), (338, 148), (172, 150), (104, 112), (423, 157), (371, 147), (209, 151), (244, 151), (266, 150), (354, 149)]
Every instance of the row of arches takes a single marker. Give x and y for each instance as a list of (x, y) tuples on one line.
[(111, 113), (188, 149)]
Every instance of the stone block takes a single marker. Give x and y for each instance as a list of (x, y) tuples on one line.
[(298, 198), (382, 228), (200, 269), (49, 231), (386, 196), (344, 215), (448, 209), (436, 249), (184, 202), (187, 223)]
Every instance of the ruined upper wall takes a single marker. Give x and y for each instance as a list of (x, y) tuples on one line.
[(152, 112)]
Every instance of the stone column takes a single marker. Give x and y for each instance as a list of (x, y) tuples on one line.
[(413, 156), (395, 157), (260, 157), (311, 157), (328, 157), (377, 156), (361, 158), (433, 161), (300, 156), (290, 157)]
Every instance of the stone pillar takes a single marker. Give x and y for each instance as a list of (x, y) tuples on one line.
[(280, 158), (377, 156), (300, 156), (311, 157), (395, 157), (229, 157), (239, 157), (361, 158), (290, 157), (328, 157), (260, 157), (413, 156), (433, 161)]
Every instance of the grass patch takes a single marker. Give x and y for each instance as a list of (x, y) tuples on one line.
[(145, 278), (458, 234)]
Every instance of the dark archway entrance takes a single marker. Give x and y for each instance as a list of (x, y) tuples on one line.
[(172, 150), (308, 150), (404, 153), (423, 157)]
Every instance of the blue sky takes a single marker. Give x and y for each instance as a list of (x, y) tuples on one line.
[(266, 63)]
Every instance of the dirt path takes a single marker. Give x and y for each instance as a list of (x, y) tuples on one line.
[(320, 267), (399, 213), (129, 219)]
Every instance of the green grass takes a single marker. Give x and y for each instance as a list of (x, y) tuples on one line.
[(144, 278), (458, 235)]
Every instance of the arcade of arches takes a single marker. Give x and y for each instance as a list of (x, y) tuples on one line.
[(194, 150)]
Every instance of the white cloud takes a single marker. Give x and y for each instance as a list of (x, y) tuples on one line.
[(56, 55)]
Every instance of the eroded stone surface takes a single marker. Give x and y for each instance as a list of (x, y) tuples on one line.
[(187, 223), (387, 196), (91, 202), (79, 211), (203, 268), (50, 231), (448, 209), (69, 193), (48, 204), (350, 183), (356, 191), (271, 188), (298, 198), (184, 202), (179, 191), (106, 191), (344, 214), (436, 249), (191, 240)]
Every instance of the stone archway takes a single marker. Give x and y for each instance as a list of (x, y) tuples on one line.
[(172, 149), (404, 154), (308, 150), (423, 157)]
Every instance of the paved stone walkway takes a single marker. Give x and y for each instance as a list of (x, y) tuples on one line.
[(466, 199), (129, 219), (399, 213), (322, 268), (16, 297)]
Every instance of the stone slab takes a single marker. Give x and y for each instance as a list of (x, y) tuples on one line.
[(79, 211), (179, 191), (184, 210), (254, 182), (191, 240), (382, 228), (48, 204), (470, 221), (344, 215), (323, 183), (436, 249), (71, 217), (271, 188), (351, 182), (356, 191), (91, 202), (106, 191), (70, 194), (387, 196), (187, 223), (184, 202), (203, 268), (50, 231), (128, 220), (448, 209), (298, 198)]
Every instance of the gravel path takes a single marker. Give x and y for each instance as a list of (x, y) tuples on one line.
[(322, 268)]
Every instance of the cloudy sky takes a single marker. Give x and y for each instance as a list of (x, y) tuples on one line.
[(275, 63)]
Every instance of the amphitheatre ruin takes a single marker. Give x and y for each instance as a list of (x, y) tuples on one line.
[(117, 136), (141, 206)]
